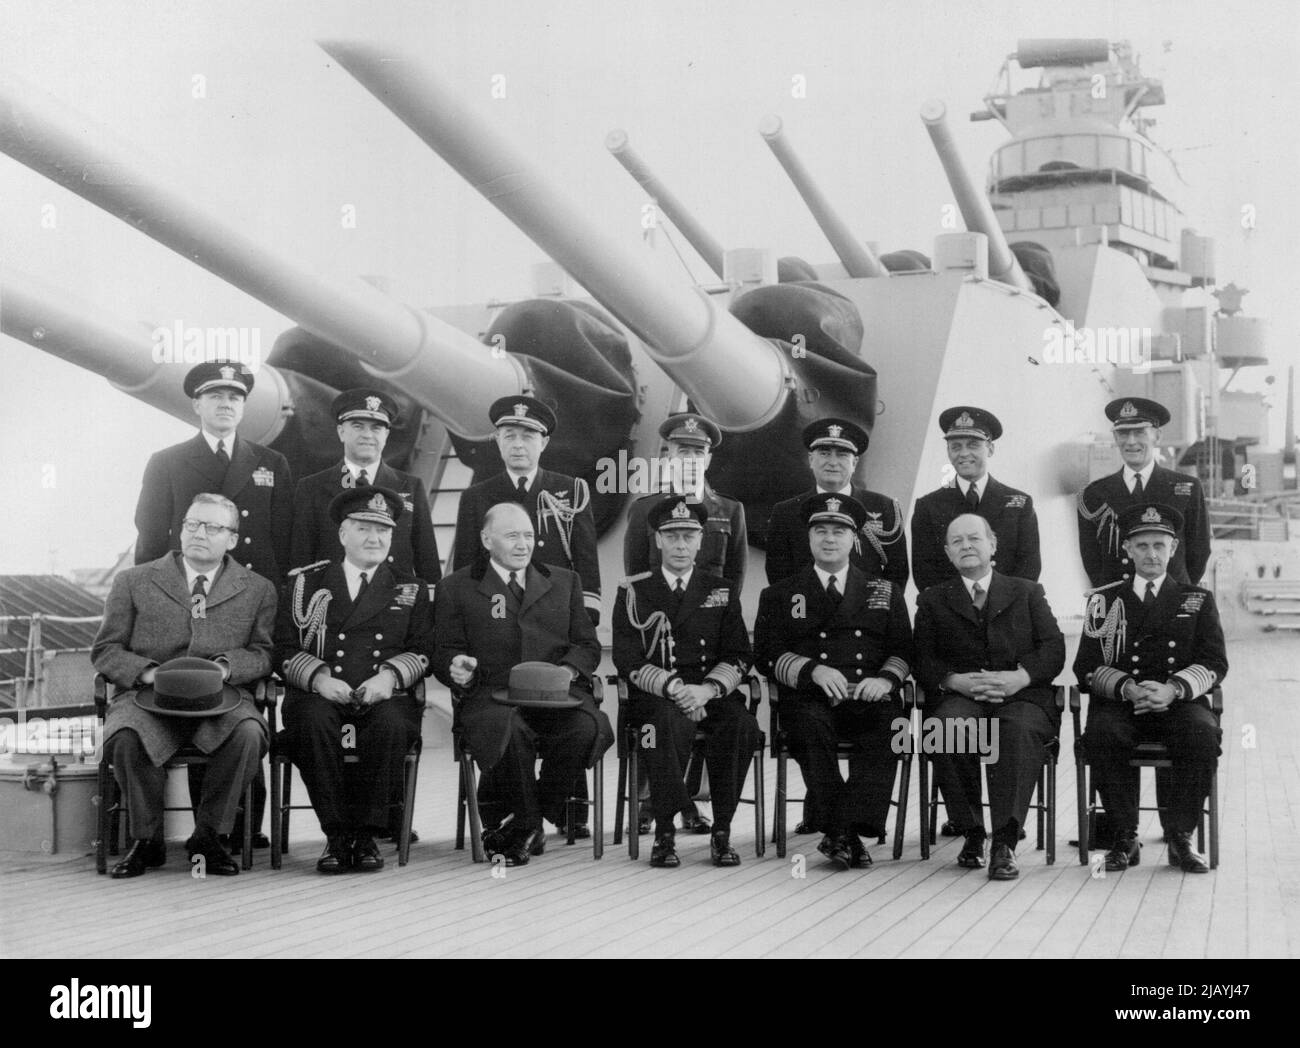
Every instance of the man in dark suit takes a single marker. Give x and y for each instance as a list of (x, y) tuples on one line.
[(681, 642), (558, 506), (1150, 650), (987, 651), (489, 618), (1136, 424), (353, 639), (689, 439), (838, 645), (365, 417), (970, 433), (835, 446), (200, 602)]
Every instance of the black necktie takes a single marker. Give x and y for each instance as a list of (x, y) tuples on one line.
[(972, 497), (522, 485), (222, 456), (362, 588), (363, 481), (833, 593), (978, 596), (515, 588), (1150, 597), (1138, 489), (200, 587)]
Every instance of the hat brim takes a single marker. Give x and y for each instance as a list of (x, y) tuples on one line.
[(220, 383), (147, 699), (369, 416), (833, 518), (979, 434), (681, 525), (502, 695), (371, 518), (834, 442), (1135, 423), (1164, 529)]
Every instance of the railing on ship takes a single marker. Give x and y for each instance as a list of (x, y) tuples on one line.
[(51, 676), (1257, 520)]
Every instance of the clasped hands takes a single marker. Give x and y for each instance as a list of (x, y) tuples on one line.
[(374, 689), (1148, 696), (988, 685), (690, 698), (837, 688)]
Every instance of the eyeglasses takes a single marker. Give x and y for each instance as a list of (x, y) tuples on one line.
[(211, 530)]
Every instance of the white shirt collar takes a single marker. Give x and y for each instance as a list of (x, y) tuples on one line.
[(1145, 473), (1140, 585), (841, 577), (514, 481), (984, 584), (671, 579), (504, 573), (212, 442), (353, 574), (191, 575), (964, 485), (846, 490), (354, 469)]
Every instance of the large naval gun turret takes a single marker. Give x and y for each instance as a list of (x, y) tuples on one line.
[(1052, 250)]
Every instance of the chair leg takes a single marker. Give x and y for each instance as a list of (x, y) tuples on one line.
[(277, 840), (620, 799), (922, 792), (1040, 808), (412, 770), (760, 801), (900, 815), (1081, 803), (1051, 813), (598, 809), (932, 813), (246, 858), (102, 820), (460, 812), (633, 804), (779, 814), (1214, 819), (287, 801), (470, 787)]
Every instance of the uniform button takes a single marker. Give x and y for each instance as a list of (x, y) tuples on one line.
[(1135, 658), (1137, 644), (1170, 661), (1173, 643), (375, 653), (701, 642), (338, 669), (541, 542), (859, 671), (1123, 560), (379, 636), (243, 512), (247, 541), (859, 655), (857, 633), (249, 567), (390, 560), (822, 655), (339, 653), (822, 635), (343, 636)]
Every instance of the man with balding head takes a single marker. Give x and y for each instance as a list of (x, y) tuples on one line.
[(988, 648)]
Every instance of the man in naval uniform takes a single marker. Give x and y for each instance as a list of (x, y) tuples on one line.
[(834, 447), (988, 649), (365, 419), (1136, 425), (204, 604), (681, 642), (838, 645), (256, 479), (1151, 649), (352, 640), (488, 618), (970, 433)]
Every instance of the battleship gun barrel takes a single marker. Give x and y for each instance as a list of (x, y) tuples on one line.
[(699, 238), (702, 347), (976, 211), (858, 261), (55, 322), (393, 342)]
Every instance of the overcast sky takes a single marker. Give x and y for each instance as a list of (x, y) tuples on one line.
[(283, 140)]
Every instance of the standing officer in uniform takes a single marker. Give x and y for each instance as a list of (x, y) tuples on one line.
[(1136, 424), (254, 478), (970, 433), (834, 447), (690, 439), (488, 618), (988, 648), (365, 417), (838, 645), (353, 638), (1147, 659), (681, 642)]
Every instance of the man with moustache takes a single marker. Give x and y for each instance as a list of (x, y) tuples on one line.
[(838, 644), (988, 646)]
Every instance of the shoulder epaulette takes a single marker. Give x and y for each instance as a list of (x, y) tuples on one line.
[(309, 567), (635, 578)]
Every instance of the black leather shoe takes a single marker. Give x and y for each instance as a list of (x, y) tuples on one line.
[(949, 830), (971, 856), (643, 825), (1002, 864), (581, 832), (664, 852), (861, 857), (217, 862), (533, 842), (142, 855), (721, 851), (696, 824), (804, 826), (1181, 853), (365, 854), (1125, 852), (838, 850), (337, 856)]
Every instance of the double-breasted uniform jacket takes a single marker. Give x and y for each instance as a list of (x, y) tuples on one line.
[(1018, 629), (704, 638), (880, 550), (1178, 639), (1009, 512), (257, 481), (414, 550), (476, 614), (1100, 505), (560, 509), (149, 620), (724, 549), (320, 627), (798, 628)]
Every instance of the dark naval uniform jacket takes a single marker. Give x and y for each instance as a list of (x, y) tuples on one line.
[(867, 635), (1177, 640), (319, 626), (257, 481), (724, 549), (1100, 504), (880, 550), (1018, 629), (315, 537), (564, 538), (703, 639), (148, 621), (476, 614), (1009, 512)]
